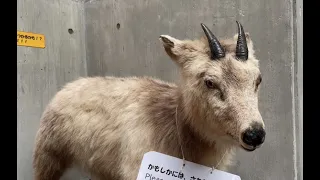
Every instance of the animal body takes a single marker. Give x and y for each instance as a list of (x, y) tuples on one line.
[(106, 124)]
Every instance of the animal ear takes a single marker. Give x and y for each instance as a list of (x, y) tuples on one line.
[(168, 41), (172, 46)]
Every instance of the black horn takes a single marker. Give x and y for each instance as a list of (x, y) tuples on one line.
[(215, 46), (242, 48)]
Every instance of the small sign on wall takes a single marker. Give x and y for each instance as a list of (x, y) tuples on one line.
[(30, 39)]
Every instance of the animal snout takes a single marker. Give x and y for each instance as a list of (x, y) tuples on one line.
[(254, 136)]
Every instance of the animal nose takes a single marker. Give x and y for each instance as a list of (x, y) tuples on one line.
[(254, 136)]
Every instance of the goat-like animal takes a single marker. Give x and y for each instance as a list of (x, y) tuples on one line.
[(106, 124)]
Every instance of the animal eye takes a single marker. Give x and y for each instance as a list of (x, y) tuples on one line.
[(259, 80), (210, 84)]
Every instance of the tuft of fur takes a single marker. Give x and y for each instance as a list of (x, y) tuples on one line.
[(106, 124)]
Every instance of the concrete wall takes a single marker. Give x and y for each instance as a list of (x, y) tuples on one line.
[(99, 46), (41, 72)]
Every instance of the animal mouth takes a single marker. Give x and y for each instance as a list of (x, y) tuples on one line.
[(249, 149)]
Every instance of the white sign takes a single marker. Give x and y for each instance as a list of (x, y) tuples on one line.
[(157, 166)]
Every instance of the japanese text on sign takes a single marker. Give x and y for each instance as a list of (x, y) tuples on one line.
[(30, 39), (158, 166)]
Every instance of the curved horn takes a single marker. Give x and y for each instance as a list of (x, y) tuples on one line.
[(242, 48), (215, 47)]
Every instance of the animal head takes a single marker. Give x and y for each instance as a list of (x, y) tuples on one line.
[(220, 86)]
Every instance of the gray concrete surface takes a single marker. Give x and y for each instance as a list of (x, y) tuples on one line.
[(99, 47), (42, 72)]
